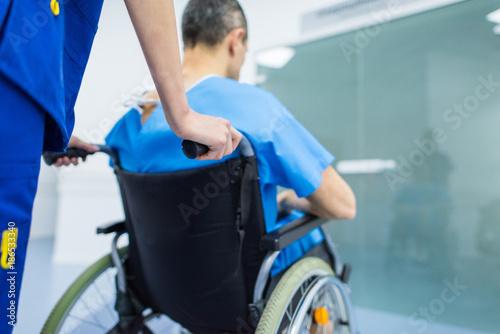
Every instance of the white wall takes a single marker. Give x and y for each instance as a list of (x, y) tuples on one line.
[(46, 202), (87, 195)]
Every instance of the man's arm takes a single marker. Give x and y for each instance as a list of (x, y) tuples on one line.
[(154, 23), (333, 199)]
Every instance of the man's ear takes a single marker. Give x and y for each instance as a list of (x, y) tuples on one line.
[(237, 35)]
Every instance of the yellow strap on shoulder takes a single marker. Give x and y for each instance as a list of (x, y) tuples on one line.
[(9, 242)]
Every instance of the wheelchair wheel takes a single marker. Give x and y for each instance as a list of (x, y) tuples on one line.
[(308, 299), (87, 307)]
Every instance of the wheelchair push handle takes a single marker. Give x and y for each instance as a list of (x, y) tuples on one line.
[(192, 149), (51, 158)]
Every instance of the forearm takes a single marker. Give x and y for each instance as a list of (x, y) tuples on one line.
[(333, 199), (154, 23), (291, 202)]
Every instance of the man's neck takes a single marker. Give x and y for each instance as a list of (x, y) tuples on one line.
[(200, 62)]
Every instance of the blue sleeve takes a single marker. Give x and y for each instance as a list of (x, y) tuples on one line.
[(296, 156), (122, 137)]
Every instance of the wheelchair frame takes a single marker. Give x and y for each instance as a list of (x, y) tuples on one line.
[(273, 242)]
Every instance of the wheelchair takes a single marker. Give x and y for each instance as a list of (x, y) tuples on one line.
[(199, 255)]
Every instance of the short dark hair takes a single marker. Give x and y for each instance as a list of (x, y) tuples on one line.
[(209, 21)]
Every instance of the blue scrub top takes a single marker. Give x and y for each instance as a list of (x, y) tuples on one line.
[(288, 155), (45, 52)]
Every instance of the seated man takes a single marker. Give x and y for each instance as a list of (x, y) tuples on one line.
[(215, 43)]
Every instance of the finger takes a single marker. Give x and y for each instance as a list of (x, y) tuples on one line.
[(203, 157), (91, 148), (74, 161), (211, 155), (228, 149), (58, 162), (219, 156), (87, 147), (66, 161), (78, 143), (236, 137)]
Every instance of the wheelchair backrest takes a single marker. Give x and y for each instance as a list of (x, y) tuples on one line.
[(186, 257)]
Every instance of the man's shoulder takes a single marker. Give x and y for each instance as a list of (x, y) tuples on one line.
[(132, 118), (250, 109), (231, 86)]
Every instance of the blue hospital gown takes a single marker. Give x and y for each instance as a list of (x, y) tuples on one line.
[(288, 155)]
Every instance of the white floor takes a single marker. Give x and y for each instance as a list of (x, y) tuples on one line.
[(45, 282)]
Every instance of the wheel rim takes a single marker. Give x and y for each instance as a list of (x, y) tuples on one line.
[(296, 297), (92, 310), (325, 292)]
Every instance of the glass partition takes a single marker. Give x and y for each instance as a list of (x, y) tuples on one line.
[(413, 118)]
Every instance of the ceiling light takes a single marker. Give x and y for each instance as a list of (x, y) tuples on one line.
[(276, 57), (496, 29), (494, 16), (370, 166)]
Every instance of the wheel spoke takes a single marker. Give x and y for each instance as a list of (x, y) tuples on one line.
[(289, 312), (110, 277), (88, 306), (111, 312), (325, 292), (90, 311), (87, 322)]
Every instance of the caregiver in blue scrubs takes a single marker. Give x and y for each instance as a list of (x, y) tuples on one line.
[(44, 49)]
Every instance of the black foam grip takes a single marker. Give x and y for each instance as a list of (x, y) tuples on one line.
[(50, 158), (192, 149)]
